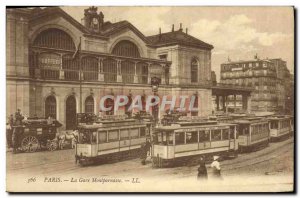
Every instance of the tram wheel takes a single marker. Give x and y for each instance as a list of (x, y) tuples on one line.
[(29, 144), (52, 145)]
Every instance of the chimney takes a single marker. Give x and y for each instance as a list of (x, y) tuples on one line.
[(159, 33), (186, 30), (180, 29), (173, 28)]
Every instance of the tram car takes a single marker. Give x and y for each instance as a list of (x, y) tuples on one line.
[(253, 133), (280, 127), (110, 138), (171, 117), (36, 133), (182, 144)]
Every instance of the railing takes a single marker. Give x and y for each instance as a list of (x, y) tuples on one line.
[(110, 77), (126, 78), (50, 73), (90, 76), (71, 75)]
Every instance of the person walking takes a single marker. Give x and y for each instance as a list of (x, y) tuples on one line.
[(202, 171), (215, 165), (17, 129)]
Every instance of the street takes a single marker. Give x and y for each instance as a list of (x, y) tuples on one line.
[(270, 164)]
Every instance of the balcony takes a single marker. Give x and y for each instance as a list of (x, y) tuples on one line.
[(98, 68)]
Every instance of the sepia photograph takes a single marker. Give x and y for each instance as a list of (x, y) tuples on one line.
[(144, 99)]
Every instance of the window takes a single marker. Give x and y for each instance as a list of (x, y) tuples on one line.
[(134, 133), (142, 72), (191, 137), (94, 138), (50, 107), (179, 138), (204, 136), (225, 134), (274, 124), (124, 134), (128, 71), (163, 57), (89, 104), (110, 70), (84, 137), (232, 132), (70, 67), (142, 132), (126, 48), (102, 137), (90, 68), (216, 135), (194, 71), (113, 135)]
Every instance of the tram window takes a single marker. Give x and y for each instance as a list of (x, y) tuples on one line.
[(134, 133), (84, 138), (179, 138), (191, 137), (113, 135), (170, 138), (124, 134), (274, 124), (102, 137), (216, 135), (225, 134), (142, 132), (94, 138), (204, 136)]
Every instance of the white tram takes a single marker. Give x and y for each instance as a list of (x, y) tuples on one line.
[(280, 127), (184, 143), (253, 133), (110, 140)]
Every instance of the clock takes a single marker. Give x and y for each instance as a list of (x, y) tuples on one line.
[(95, 21)]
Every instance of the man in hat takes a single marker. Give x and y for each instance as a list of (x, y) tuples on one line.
[(215, 165), (202, 171)]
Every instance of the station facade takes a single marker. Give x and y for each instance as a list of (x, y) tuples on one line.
[(57, 66)]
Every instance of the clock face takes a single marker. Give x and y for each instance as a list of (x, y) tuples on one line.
[(95, 21)]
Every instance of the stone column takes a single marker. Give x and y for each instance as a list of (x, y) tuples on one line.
[(234, 102), (135, 79), (218, 102), (224, 106), (100, 70), (119, 75), (61, 71)]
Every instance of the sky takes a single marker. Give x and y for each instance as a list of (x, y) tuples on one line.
[(235, 32)]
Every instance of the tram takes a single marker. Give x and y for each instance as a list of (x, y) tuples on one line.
[(253, 133), (184, 143), (109, 139), (280, 127)]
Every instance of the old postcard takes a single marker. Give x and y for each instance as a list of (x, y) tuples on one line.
[(150, 99)]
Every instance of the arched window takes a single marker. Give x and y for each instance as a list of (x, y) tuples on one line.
[(50, 107), (126, 48), (54, 38), (109, 103), (90, 68), (194, 71), (110, 70), (89, 104)]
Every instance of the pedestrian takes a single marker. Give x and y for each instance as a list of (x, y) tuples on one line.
[(202, 171), (17, 129), (215, 165)]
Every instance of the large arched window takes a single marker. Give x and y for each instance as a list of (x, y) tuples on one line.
[(126, 48), (70, 67), (54, 38), (89, 104), (194, 71), (50, 107)]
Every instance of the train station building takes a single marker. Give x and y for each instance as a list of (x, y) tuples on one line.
[(58, 66)]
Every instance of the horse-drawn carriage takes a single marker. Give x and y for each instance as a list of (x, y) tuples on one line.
[(34, 134)]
